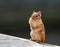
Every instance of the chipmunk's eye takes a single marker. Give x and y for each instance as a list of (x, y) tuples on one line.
[(36, 16)]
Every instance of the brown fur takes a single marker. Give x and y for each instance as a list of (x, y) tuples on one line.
[(37, 28)]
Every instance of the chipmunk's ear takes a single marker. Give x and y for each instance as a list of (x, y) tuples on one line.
[(39, 12)]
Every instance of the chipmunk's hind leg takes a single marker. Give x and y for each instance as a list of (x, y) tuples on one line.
[(43, 37)]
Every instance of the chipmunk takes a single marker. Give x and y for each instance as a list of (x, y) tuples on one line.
[(37, 27)]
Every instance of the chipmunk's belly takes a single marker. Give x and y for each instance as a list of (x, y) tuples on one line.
[(35, 35)]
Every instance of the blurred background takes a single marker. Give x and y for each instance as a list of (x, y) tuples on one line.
[(14, 16)]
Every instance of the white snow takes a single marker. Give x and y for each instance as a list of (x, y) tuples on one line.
[(11, 41)]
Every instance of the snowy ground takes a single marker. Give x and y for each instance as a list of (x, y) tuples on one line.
[(10, 41)]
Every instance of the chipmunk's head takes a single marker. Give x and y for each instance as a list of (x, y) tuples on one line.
[(36, 15)]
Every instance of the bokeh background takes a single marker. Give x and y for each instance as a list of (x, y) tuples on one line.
[(14, 16)]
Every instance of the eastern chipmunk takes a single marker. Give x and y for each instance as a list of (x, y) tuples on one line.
[(37, 27)]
